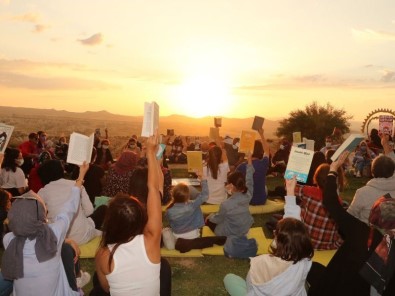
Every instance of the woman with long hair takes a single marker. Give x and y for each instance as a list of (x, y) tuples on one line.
[(128, 260), (12, 177), (216, 172)]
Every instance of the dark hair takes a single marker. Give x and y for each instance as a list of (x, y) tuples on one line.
[(4, 198), (237, 179), (138, 184), (328, 155), (258, 150), (292, 241), (51, 170), (10, 155), (213, 160), (318, 158), (320, 175), (383, 167), (94, 154), (33, 136), (125, 218)]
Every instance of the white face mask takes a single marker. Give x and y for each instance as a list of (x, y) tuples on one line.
[(228, 189), (282, 147), (236, 146), (328, 144), (131, 146), (105, 146), (19, 161)]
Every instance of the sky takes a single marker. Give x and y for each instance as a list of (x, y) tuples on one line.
[(229, 58)]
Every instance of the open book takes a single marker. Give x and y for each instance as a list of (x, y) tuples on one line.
[(299, 163), (214, 133), (258, 123), (247, 141), (296, 137), (195, 161), (5, 136), (151, 119), (80, 148), (349, 144), (309, 143)]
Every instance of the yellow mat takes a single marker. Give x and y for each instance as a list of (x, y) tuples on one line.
[(174, 253), (255, 232), (271, 206), (89, 249)]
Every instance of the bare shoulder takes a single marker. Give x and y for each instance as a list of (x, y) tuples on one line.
[(101, 258)]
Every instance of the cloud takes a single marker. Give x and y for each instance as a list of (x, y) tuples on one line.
[(388, 76), (369, 34), (32, 18), (95, 39)]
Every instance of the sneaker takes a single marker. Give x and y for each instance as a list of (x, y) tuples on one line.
[(83, 279), (169, 240), (358, 175)]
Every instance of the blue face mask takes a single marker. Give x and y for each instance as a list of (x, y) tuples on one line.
[(363, 148)]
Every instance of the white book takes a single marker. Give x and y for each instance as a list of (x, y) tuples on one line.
[(299, 163), (151, 119), (309, 143), (5, 135), (349, 144), (80, 148)]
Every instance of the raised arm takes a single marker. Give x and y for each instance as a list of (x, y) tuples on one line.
[(152, 231), (388, 151), (266, 147), (291, 209)]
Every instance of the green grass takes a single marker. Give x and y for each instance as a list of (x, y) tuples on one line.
[(204, 276)]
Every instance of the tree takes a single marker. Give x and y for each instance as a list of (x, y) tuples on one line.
[(315, 122)]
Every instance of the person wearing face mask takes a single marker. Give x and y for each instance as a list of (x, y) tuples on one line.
[(280, 159), (104, 156), (42, 138), (233, 155), (131, 145), (363, 158), (61, 149), (328, 145), (12, 177)]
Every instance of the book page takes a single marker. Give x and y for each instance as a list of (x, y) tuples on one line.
[(194, 161), (79, 147), (309, 144), (247, 141), (151, 119), (5, 135), (217, 122), (299, 163)]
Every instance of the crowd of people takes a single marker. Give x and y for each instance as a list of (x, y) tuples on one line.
[(51, 212)]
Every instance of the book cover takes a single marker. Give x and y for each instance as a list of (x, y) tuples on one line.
[(297, 137), (217, 121), (247, 141), (349, 144), (80, 148), (151, 119), (257, 123), (386, 124), (195, 162), (214, 133), (161, 149), (299, 163), (5, 135)]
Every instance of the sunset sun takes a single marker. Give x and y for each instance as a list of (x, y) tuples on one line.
[(203, 96)]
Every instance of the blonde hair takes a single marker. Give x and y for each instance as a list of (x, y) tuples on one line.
[(179, 194)]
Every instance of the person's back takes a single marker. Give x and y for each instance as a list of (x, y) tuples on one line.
[(383, 182)]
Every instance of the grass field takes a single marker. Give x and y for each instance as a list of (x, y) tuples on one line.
[(203, 276)]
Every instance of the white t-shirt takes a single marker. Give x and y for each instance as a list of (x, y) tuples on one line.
[(55, 195), (216, 187), (133, 273), (10, 179)]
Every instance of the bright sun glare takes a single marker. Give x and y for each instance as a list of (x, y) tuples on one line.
[(204, 96)]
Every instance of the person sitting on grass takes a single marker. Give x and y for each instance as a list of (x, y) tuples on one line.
[(33, 250), (234, 219), (128, 261), (186, 219), (364, 264), (283, 271)]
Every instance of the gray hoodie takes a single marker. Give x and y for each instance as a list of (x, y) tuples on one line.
[(365, 197)]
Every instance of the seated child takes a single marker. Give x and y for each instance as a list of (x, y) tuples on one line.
[(234, 218), (284, 270), (186, 219)]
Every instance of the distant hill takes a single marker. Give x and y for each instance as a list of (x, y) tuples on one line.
[(31, 119)]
